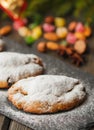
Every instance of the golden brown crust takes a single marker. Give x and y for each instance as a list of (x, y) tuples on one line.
[(41, 100), (4, 85), (16, 66), (43, 107)]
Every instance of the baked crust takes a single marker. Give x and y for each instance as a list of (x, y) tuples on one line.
[(47, 94), (16, 66)]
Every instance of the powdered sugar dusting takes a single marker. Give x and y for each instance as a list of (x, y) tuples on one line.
[(50, 88), (16, 66)]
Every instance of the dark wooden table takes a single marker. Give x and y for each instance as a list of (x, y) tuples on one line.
[(8, 124)]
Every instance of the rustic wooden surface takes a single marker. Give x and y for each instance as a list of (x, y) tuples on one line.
[(8, 124)]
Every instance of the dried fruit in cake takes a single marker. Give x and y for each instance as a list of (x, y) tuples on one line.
[(16, 66)]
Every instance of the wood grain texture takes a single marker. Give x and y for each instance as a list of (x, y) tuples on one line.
[(4, 122), (1, 121), (16, 126)]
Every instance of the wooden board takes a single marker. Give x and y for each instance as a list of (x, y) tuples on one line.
[(17, 126), (8, 124), (4, 122)]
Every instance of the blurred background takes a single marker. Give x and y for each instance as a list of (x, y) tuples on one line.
[(79, 8), (32, 13)]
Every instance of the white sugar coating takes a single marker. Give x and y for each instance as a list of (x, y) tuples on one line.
[(49, 88), (15, 59), (17, 66)]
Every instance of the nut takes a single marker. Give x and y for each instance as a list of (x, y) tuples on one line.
[(5, 30), (52, 46), (41, 46), (51, 36), (49, 19)]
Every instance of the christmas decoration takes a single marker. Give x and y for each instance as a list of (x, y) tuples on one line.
[(13, 8)]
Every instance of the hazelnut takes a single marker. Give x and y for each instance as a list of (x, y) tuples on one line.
[(5, 30), (52, 36), (52, 46), (41, 46)]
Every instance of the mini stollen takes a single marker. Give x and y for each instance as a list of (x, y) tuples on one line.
[(16, 66), (47, 94)]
